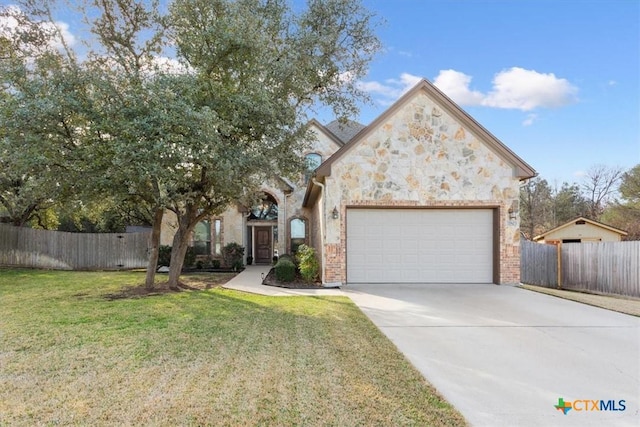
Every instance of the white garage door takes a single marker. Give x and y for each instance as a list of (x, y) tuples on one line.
[(419, 245)]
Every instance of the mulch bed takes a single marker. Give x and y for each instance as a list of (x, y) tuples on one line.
[(297, 283), (141, 291), (196, 281)]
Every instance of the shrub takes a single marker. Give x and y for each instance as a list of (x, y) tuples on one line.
[(190, 257), (308, 263), (285, 270), (215, 263), (288, 257), (203, 262), (164, 256), (232, 254)]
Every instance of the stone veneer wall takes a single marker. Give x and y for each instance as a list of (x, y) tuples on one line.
[(324, 146), (421, 157), (231, 226), (289, 205), (168, 228), (315, 235)]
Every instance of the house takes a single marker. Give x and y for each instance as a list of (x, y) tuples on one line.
[(581, 230), (422, 194)]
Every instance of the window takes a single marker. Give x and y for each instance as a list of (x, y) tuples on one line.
[(298, 233), (275, 236), (217, 236), (267, 209), (202, 238), (312, 161)]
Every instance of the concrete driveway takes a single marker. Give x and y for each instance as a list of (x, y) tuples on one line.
[(504, 356)]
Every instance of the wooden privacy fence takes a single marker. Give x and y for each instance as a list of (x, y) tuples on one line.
[(607, 267), (604, 267), (26, 247), (538, 264)]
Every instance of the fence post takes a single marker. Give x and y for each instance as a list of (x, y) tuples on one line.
[(559, 252)]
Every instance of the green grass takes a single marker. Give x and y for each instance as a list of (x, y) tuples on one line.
[(70, 356)]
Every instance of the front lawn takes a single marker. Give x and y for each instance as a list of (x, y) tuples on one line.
[(70, 355)]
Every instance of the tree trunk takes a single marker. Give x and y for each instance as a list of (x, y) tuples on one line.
[(178, 251), (24, 216), (186, 223), (154, 251)]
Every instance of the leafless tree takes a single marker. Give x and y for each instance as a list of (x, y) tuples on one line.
[(600, 185)]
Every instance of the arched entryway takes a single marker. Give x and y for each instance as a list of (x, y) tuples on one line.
[(262, 227)]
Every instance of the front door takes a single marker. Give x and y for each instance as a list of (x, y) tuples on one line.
[(263, 245)]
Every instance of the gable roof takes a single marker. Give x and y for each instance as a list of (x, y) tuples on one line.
[(522, 169), (572, 222), (324, 129), (345, 131)]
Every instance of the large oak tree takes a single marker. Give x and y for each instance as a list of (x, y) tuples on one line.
[(191, 109), (40, 113)]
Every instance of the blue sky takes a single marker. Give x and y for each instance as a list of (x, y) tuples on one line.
[(558, 81)]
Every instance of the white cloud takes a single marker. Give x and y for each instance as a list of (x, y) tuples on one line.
[(530, 119), (515, 88), (456, 86), (157, 65), (9, 22), (392, 89), (67, 36), (377, 88), (13, 20), (167, 65), (406, 82), (526, 90), (347, 77)]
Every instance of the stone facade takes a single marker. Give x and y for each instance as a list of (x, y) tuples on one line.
[(424, 152), (421, 156), (289, 197), (325, 146)]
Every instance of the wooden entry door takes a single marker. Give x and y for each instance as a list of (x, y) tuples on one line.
[(263, 245)]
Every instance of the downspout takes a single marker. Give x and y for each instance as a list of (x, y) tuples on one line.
[(284, 230), (322, 226)]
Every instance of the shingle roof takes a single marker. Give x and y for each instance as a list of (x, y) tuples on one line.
[(344, 130)]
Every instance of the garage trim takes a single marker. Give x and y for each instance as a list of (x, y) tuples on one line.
[(495, 229)]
